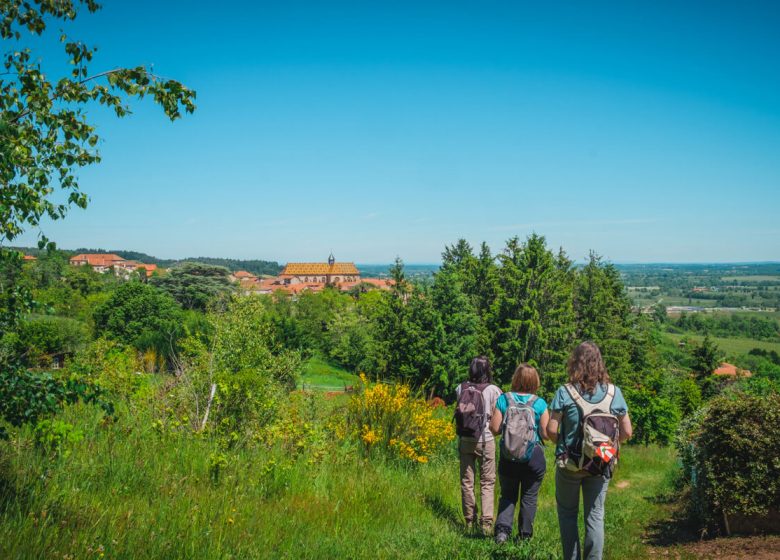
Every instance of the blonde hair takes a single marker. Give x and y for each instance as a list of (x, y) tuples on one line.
[(525, 379)]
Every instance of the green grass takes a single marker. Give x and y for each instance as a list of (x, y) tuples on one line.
[(127, 492), (321, 374), (734, 345)]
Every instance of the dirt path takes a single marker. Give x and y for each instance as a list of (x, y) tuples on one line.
[(755, 548)]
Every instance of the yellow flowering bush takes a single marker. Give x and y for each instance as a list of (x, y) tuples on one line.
[(390, 419)]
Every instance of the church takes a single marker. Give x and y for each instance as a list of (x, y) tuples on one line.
[(331, 272)]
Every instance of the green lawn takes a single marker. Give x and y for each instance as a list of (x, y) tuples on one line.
[(729, 345), (319, 374)]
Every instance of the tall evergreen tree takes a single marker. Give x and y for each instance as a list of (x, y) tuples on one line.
[(460, 324), (532, 319), (604, 315)]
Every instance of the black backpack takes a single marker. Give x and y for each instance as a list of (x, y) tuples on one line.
[(470, 415)]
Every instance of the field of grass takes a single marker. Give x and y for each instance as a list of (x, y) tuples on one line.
[(318, 373), (741, 345), (127, 491)]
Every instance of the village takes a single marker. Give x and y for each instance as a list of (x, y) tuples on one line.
[(295, 277)]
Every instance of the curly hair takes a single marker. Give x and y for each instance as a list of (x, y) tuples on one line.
[(586, 367)]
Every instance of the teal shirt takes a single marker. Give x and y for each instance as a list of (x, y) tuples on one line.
[(539, 407), (570, 419)]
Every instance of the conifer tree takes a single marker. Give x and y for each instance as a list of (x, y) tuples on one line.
[(532, 317)]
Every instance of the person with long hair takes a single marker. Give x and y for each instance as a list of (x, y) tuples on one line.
[(478, 448), (588, 391), (520, 477)]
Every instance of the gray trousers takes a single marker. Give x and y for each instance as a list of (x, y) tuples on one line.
[(567, 497)]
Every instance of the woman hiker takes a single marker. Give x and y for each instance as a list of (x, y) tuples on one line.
[(522, 418), (476, 400), (589, 420)]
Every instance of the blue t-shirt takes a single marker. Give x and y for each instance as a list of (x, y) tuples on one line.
[(570, 419), (539, 407)]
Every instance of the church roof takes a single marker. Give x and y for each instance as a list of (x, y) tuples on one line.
[(298, 269)]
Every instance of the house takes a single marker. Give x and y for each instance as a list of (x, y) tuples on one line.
[(241, 276), (731, 370), (29, 258), (103, 262), (100, 262)]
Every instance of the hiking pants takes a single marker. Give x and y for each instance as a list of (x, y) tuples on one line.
[(483, 452), (567, 497), (523, 479)]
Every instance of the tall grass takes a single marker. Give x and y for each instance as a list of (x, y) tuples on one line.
[(128, 491)]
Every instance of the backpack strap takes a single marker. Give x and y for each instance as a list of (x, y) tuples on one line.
[(609, 398), (585, 407)]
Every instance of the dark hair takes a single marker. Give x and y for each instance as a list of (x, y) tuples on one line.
[(586, 367), (525, 379), (480, 370)]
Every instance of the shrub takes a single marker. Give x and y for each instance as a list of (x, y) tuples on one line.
[(731, 456), (389, 419), (54, 435)]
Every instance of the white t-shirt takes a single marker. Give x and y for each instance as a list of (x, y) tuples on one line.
[(489, 397)]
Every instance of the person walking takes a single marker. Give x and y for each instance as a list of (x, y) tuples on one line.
[(476, 400), (589, 421), (521, 417)]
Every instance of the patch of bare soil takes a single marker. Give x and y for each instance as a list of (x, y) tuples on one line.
[(755, 548)]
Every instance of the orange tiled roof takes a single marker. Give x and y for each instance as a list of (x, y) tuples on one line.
[(730, 369), (303, 269), (244, 274), (98, 259), (29, 258)]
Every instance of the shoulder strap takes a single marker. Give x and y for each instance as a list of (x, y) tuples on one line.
[(609, 398), (585, 407)]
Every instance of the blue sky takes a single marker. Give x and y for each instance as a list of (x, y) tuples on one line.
[(645, 131)]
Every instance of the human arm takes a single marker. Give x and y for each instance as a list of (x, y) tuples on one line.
[(626, 430), (495, 421), (553, 425), (543, 422)]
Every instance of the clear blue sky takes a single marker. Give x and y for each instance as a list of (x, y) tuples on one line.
[(647, 131)]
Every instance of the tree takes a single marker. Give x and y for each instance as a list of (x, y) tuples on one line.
[(142, 316), (460, 324), (44, 129), (604, 315), (532, 316), (45, 138), (193, 285), (705, 358)]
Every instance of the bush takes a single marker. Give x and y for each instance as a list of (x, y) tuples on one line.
[(731, 456), (389, 419)]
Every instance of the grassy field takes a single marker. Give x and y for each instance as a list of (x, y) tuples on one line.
[(127, 491), (320, 374), (752, 278), (729, 345)]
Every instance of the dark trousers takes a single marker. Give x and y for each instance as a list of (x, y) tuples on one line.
[(523, 479)]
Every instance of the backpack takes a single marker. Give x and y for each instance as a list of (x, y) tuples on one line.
[(518, 433), (470, 416), (598, 443)]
